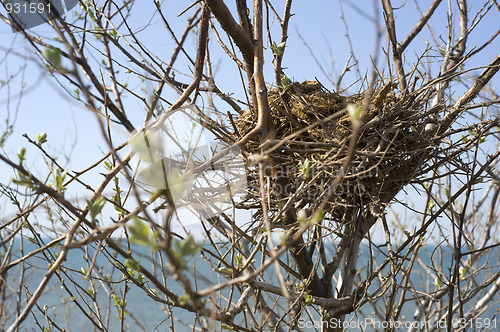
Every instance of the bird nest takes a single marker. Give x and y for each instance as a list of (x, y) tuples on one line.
[(313, 133)]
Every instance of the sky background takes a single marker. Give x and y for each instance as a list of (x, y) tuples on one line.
[(72, 132)]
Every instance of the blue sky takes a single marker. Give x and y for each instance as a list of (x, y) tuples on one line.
[(72, 131)]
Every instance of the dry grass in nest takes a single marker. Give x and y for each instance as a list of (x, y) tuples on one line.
[(391, 148)]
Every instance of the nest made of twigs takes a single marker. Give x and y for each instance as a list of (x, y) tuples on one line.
[(390, 145)]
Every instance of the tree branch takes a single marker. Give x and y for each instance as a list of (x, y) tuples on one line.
[(200, 59), (227, 22), (416, 30), (396, 53)]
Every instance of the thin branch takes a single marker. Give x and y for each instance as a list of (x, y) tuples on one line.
[(421, 23), (200, 60), (227, 22), (284, 37), (396, 52), (322, 301), (470, 94)]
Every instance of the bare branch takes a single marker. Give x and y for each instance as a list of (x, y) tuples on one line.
[(227, 22)]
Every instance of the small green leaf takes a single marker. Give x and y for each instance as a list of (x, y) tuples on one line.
[(238, 259), (185, 248), (91, 13), (354, 112), (140, 233), (318, 217), (59, 180), (283, 239), (118, 301), (140, 279), (21, 155), (302, 216), (277, 49), (308, 300), (53, 57), (132, 264), (107, 165), (285, 83), (394, 307), (23, 180), (184, 299), (301, 285), (95, 207), (462, 272), (305, 168), (41, 138)]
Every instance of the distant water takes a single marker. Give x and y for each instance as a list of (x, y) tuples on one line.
[(151, 315), (68, 316)]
